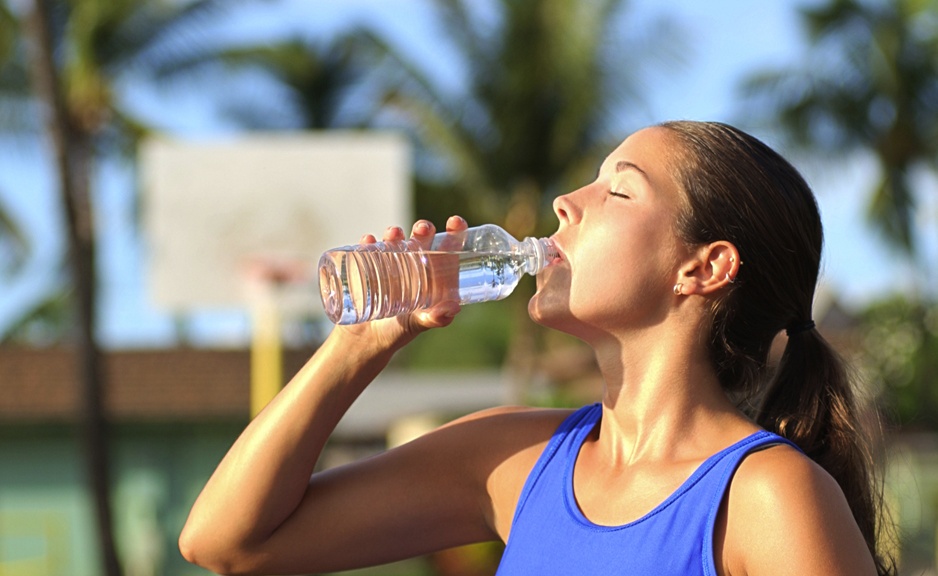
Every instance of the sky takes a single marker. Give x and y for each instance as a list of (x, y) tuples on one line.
[(727, 40)]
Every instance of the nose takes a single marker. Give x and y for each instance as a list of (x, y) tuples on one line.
[(566, 209)]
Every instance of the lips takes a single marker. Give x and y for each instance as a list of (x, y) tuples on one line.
[(561, 255)]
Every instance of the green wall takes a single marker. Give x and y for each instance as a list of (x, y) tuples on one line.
[(46, 523)]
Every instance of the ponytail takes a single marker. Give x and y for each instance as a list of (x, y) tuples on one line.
[(738, 189), (810, 401)]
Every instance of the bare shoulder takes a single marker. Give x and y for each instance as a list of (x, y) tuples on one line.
[(785, 514), (507, 442), (783, 473)]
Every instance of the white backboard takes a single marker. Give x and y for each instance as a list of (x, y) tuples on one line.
[(210, 207)]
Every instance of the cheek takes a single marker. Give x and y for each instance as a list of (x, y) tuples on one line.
[(601, 286), (623, 283)]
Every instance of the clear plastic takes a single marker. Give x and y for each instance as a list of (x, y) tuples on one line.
[(373, 281)]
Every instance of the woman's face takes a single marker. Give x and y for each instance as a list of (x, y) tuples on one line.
[(620, 253)]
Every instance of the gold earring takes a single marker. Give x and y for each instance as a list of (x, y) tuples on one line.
[(677, 289)]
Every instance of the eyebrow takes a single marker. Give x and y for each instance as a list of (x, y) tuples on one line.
[(623, 165)]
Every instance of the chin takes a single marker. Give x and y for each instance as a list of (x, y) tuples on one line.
[(588, 325), (550, 311), (550, 305)]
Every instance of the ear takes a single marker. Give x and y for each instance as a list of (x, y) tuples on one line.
[(712, 267)]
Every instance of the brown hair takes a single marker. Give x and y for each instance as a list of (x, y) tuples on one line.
[(740, 190)]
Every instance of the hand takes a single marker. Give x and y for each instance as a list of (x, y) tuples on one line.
[(394, 333)]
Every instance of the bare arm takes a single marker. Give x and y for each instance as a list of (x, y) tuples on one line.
[(260, 510)]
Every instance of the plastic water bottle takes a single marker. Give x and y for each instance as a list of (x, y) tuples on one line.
[(373, 281)]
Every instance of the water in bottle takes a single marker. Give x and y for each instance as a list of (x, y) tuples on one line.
[(372, 281)]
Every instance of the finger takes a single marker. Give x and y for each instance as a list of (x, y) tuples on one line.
[(423, 232), (393, 234), (456, 224), (454, 238), (423, 229), (368, 239)]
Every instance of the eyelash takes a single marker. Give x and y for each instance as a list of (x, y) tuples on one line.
[(618, 194)]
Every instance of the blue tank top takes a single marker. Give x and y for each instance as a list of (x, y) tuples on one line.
[(551, 536)]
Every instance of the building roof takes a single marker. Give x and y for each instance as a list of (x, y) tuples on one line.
[(41, 385), (190, 384)]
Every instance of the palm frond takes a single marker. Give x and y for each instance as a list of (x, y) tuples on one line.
[(14, 244), (317, 83), (44, 323), (445, 139), (399, 73), (472, 43), (539, 92), (139, 35), (891, 210)]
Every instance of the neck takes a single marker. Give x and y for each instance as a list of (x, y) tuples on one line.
[(661, 394)]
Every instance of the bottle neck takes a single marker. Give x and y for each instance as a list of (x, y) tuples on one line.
[(539, 253)]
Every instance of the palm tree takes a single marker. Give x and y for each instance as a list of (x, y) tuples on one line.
[(80, 50), (45, 318), (869, 83), (540, 102)]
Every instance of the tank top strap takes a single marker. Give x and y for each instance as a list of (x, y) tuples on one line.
[(728, 462), (568, 438)]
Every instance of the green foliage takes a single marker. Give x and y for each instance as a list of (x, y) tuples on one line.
[(536, 111), (15, 115), (14, 244), (42, 325), (478, 338), (869, 83), (8, 33), (320, 82), (900, 350), (100, 42)]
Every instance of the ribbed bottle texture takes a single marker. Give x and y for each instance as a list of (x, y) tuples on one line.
[(373, 281)]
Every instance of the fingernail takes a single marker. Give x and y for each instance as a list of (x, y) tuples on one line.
[(422, 228)]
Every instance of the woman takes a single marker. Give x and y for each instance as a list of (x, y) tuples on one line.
[(693, 248)]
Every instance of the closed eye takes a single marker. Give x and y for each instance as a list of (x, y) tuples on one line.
[(618, 194)]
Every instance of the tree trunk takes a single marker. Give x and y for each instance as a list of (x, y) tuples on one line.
[(73, 158)]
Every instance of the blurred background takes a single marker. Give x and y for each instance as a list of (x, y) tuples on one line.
[(170, 171)]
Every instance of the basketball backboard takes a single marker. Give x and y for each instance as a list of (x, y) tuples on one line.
[(214, 207)]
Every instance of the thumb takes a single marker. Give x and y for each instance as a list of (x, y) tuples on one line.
[(438, 315)]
